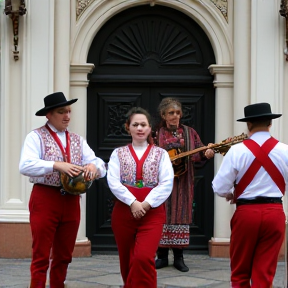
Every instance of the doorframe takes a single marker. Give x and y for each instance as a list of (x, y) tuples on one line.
[(207, 17)]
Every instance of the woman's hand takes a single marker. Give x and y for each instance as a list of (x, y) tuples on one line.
[(137, 209), (146, 206), (209, 153)]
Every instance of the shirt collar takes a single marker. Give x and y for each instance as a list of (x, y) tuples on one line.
[(260, 136), (54, 129)]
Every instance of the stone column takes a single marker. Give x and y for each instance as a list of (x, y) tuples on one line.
[(267, 59), (242, 59), (78, 89), (233, 101), (223, 82), (62, 47)]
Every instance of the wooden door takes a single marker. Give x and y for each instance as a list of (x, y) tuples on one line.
[(141, 56)]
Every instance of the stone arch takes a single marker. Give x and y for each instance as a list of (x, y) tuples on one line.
[(207, 16)]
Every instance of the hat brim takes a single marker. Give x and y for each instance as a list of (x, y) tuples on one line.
[(43, 111), (262, 116)]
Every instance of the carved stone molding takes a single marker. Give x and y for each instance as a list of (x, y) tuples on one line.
[(284, 12), (82, 5), (222, 5)]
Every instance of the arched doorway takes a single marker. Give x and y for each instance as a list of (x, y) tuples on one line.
[(142, 55)]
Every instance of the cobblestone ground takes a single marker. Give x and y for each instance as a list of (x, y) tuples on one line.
[(102, 271)]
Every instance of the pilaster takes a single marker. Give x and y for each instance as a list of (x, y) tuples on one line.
[(242, 60), (62, 47), (223, 82), (267, 59), (78, 124)]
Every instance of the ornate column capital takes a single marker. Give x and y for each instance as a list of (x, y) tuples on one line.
[(79, 72), (223, 75)]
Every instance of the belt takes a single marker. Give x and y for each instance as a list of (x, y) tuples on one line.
[(259, 200), (62, 191)]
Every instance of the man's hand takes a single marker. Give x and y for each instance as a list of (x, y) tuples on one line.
[(70, 169), (230, 197), (91, 172)]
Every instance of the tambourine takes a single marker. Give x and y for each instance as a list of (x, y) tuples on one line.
[(75, 185)]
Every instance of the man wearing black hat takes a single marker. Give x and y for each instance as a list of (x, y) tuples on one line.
[(254, 175), (48, 153)]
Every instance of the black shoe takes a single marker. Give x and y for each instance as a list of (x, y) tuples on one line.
[(180, 265), (161, 263)]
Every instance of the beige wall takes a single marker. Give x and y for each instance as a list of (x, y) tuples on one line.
[(250, 66)]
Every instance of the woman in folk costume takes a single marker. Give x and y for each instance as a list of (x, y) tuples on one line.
[(140, 175), (175, 137)]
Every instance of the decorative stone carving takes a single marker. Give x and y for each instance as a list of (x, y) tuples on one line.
[(222, 5), (82, 6), (284, 12)]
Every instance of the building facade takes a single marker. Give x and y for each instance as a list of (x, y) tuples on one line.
[(216, 56)]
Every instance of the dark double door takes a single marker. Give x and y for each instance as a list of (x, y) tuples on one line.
[(141, 56)]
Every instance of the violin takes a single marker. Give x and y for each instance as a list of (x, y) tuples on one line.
[(176, 156)]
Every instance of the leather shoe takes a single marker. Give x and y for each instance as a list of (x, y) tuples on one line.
[(180, 265), (161, 263)]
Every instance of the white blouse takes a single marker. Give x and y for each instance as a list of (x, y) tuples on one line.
[(157, 195)]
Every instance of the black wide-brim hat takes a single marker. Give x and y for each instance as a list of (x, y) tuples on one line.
[(258, 111), (54, 100)]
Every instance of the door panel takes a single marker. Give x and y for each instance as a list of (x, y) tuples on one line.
[(107, 107)]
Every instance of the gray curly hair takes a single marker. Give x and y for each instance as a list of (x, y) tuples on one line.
[(168, 102)]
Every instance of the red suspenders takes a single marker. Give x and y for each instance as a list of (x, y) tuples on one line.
[(261, 159)]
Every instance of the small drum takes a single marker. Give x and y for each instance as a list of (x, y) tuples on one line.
[(75, 185)]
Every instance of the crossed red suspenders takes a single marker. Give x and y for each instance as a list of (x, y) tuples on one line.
[(261, 159)]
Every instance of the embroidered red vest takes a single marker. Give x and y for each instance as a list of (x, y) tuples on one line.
[(150, 168), (50, 151)]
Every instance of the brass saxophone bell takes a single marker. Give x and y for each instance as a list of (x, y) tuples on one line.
[(75, 185)]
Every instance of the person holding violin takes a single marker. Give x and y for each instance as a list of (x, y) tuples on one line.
[(177, 138)]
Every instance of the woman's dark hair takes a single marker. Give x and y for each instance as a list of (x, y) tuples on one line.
[(139, 110)]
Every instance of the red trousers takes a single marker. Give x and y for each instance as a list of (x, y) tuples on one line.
[(54, 221), (137, 242), (257, 233)]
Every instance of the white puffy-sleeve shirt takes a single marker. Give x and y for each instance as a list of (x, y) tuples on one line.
[(31, 163), (157, 195), (239, 158)]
